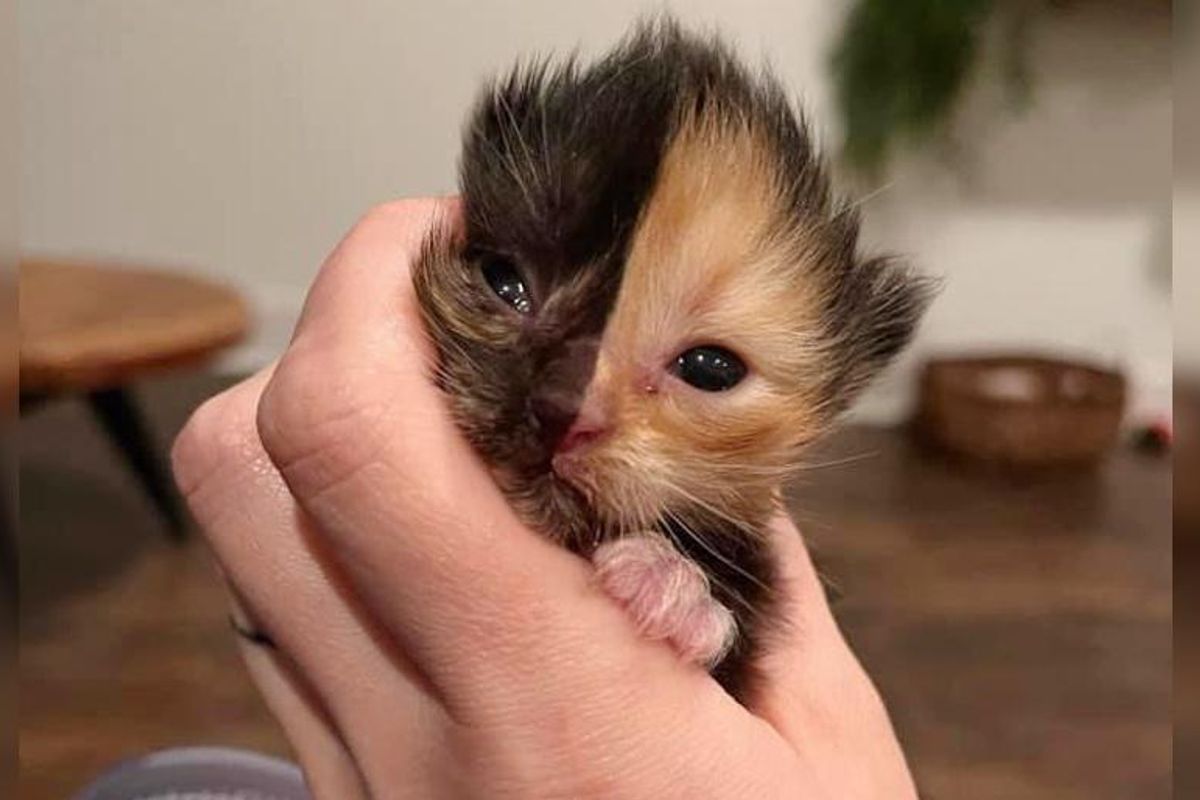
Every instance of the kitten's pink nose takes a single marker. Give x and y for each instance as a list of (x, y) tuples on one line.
[(568, 460), (564, 428), (580, 434)]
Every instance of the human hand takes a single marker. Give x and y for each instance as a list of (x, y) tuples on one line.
[(428, 644)]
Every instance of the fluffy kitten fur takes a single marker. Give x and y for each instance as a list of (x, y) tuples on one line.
[(660, 198)]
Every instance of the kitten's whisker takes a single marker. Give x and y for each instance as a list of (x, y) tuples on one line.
[(839, 462), (785, 468), (714, 579), (741, 525), (720, 557), (854, 205)]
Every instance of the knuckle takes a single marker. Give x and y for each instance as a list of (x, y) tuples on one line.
[(301, 395), (314, 424), (272, 418), (288, 412)]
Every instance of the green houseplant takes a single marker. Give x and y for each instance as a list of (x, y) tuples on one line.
[(901, 66)]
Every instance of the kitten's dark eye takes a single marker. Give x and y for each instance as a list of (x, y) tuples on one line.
[(506, 281), (709, 368)]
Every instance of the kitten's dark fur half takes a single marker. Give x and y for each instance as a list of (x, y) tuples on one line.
[(661, 198)]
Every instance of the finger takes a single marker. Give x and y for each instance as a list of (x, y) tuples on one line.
[(373, 696), (808, 651), (329, 768), (366, 445), (814, 690)]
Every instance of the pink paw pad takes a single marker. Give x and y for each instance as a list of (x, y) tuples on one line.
[(667, 596)]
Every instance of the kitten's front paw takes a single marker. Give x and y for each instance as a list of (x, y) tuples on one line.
[(667, 596)]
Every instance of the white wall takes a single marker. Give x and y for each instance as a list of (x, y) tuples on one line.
[(9, 234), (1186, 251), (1187, 280), (239, 139)]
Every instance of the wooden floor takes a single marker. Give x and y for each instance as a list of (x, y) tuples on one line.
[(1021, 632)]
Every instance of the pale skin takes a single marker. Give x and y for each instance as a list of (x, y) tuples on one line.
[(432, 646)]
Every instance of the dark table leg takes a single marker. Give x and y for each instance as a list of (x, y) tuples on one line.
[(8, 549), (119, 414)]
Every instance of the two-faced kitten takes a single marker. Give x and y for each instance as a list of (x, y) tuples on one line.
[(654, 306)]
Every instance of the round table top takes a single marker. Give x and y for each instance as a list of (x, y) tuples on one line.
[(94, 326)]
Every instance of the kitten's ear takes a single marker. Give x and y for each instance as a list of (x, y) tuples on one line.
[(874, 313)]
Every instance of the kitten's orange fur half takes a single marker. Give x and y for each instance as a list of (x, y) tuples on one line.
[(713, 259)]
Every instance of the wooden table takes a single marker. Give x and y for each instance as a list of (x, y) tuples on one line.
[(1020, 627), (92, 330)]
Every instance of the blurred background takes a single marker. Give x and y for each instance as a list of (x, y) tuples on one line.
[(996, 531), (9, 225), (1186, 261)]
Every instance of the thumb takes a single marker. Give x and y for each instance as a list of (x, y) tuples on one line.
[(817, 694)]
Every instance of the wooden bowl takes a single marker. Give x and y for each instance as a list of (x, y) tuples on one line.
[(1021, 411)]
